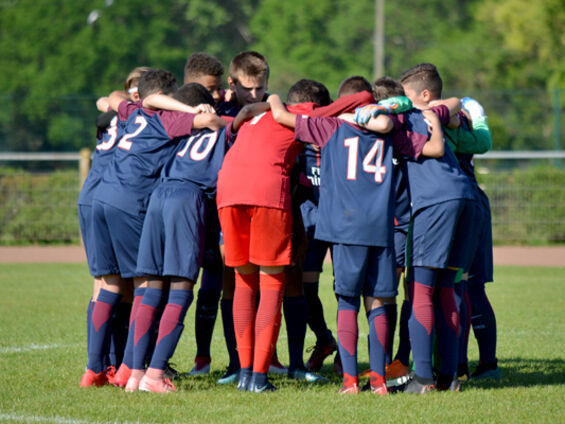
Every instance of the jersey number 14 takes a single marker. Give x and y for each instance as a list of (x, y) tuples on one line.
[(372, 162)]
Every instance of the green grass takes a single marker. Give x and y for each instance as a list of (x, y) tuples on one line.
[(43, 354)]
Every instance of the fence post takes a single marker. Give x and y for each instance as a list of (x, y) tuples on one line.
[(84, 164)]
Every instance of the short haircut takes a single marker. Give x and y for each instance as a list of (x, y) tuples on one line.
[(352, 85), (386, 87), (199, 64), (424, 76), (133, 77), (194, 94), (250, 64), (307, 90), (156, 80)]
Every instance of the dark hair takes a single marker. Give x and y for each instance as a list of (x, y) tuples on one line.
[(352, 85), (251, 64), (199, 64), (386, 87), (156, 80), (194, 94), (424, 76), (307, 90)]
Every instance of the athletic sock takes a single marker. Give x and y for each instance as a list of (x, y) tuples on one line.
[(229, 333), (145, 320), (348, 333), (295, 317), (171, 327), (100, 329), (378, 339), (138, 294), (484, 323), (391, 312), (205, 317), (421, 322), (267, 322), (244, 309), (315, 316), (119, 333), (461, 301), (447, 322), (89, 322), (403, 352)]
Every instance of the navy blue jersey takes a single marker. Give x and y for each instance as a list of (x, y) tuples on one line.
[(402, 197), (356, 195), (308, 163), (106, 142), (432, 180), (198, 159), (150, 139)]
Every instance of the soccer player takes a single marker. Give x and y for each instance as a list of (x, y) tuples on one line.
[(121, 199), (206, 70), (356, 162), (172, 241), (109, 131)]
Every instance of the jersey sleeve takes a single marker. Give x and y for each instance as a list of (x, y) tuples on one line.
[(467, 140), (176, 124), (345, 104), (125, 109), (442, 113), (315, 130), (409, 139)]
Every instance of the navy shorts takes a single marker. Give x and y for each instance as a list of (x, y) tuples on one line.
[(364, 270), (481, 270), (472, 222), (400, 238), (116, 240), (173, 237), (439, 237), (85, 222)]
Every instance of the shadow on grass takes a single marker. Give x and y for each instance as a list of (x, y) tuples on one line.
[(526, 372)]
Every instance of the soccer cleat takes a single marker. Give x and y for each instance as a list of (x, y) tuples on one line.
[(319, 353), (133, 383), (267, 387), (276, 367), (378, 384), (396, 373), (230, 376), (163, 385), (90, 378), (244, 380), (448, 383), (171, 373), (110, 374), (349, 390), (417, 385), (486, 371), (379, 389), (201, 366), (122, 376), (306, 376)]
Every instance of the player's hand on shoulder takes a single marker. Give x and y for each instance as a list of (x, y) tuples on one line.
[(205, 108)]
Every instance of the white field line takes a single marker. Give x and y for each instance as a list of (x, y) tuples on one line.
[(56, 420), (33, 347)]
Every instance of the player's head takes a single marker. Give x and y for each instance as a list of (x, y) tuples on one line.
[(307, 90), (132, 81), (386, 87), (352, 85), (156, 81), (422, 83), (249, 77), (194, 94), (205, 69)]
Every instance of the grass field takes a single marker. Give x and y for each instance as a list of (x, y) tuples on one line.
[(43, 354)]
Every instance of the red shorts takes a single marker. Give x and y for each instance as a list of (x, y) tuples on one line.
[(256, 234)]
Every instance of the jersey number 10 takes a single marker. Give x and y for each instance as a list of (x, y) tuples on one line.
[(372, 162)]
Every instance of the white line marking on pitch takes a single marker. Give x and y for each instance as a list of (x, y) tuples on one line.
[(56, 420), (33, 347)]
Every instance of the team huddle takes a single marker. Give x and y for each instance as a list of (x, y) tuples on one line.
[(256, 192)]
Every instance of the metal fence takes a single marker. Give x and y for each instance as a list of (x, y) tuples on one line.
[(526, 192)]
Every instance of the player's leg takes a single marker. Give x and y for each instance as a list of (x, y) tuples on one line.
[(232, 373)]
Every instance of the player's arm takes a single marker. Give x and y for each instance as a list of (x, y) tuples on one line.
[(452, 103), (380, 123), (281, 115), (249, 111), (435, 146), (164, 102), (117, 97), (208, 120), (102, 104)]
